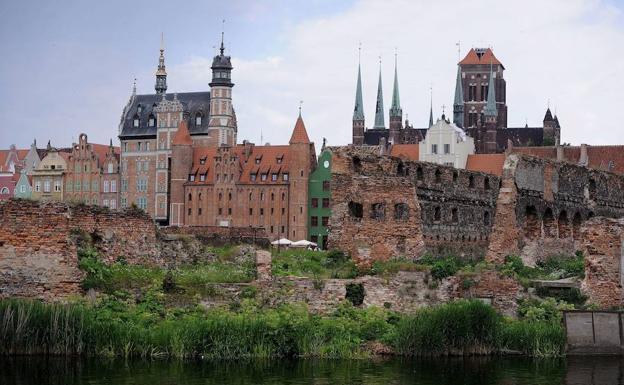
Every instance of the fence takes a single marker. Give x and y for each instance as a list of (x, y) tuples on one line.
[(594, 332)]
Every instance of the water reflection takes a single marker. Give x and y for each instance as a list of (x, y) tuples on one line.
[(468, 371)]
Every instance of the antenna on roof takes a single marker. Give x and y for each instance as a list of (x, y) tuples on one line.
[(162, 41), (359, 52), (261, 136), (222, 33), (458, 44)]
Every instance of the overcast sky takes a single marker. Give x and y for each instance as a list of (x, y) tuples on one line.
[(67, 66)]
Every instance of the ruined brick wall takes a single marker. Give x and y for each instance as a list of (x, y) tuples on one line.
[(451, 211), (219, 236), (601, 240), (39, 241), (543, 204)]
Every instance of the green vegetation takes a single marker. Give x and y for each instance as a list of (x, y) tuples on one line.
[(113, 326), (439, 268), (316, 264), (355, 293), (555, 267)]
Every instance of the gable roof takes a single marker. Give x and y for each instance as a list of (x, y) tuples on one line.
[(406, 151), (487, 163), (480, 56)]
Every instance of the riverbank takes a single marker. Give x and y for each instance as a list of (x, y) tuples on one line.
[(112, 327)]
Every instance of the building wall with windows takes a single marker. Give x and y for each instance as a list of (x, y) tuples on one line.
[(23, 187), (446, 144), (319, 207), (48, 183)]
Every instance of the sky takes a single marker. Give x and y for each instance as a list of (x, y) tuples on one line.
[(68, 66)]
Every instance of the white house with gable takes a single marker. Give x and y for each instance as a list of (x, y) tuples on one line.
[(446, 144)]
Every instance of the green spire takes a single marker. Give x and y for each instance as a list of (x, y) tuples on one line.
[(431, 107), (379, 108), (458, 104), (395, 109), (358, 111), (490, 107)]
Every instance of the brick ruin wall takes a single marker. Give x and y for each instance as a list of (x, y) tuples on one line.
[(385, 207), (39, 242)]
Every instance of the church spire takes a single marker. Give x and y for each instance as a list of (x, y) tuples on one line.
[(161, 74), (458, 104), (395, 109), (358, 111), (430, 106), (490, 107), (379, 109)]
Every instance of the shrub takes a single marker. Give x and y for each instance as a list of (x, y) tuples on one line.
[(443, 268), (355, 293), (538, 339)]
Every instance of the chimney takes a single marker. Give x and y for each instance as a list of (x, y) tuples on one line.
[(583, 160), (382, 146), (559, 152)]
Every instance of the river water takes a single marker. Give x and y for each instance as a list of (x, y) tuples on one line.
[(443, 371)]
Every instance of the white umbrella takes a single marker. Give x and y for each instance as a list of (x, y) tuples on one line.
[(303, 243), (282, 242)]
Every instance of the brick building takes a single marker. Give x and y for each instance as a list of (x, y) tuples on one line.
[(242, 185), (92, 174), (149, 123), (482, 114)]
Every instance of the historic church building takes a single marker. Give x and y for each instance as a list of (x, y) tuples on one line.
[(480, 113)]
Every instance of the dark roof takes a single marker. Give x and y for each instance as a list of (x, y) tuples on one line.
[(519, 136), (192, 103), (409, 135)]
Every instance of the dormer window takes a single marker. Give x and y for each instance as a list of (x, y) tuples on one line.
[(192, 177), (139, 108), (274, 177), (152, 120), (135, 121), (279, 159), (252, 176), (202, 161), (198, 119), (202, 177), (263, 177), (285, 177), (258, 160)]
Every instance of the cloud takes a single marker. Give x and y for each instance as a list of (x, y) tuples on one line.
[(565, 51)]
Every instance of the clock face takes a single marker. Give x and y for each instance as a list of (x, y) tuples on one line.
[(326, 164)]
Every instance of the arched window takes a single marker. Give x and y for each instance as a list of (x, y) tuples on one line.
[(151, 120), (357, 163), (437, 214), (576, 225), (471, 181), (564, 225), (486, 183), (419, 173), (486, 218), (532, 228), (438, 176), (4, 191), (198, 119), (550, 227), (135, 121), (190, 197)]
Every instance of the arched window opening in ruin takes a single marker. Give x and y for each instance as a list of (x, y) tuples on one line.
[(378, 211), (486, 183), (471, 181), (401, 211), (356, 210), (199, 196), (438, 176), (419, 173), (455, 176), (357, 163), (550, 228), (590, 215), (437, 214), (486, 218), (563, 225), (401, 245), (576, 225), (532, 228), (401, 169), (592, 189), (190, 197), (500, 183), (454, 215)]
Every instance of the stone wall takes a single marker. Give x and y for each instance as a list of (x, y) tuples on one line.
[(39, 241), (602, 244), (220, 235)]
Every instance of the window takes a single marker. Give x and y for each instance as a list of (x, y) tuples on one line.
[(125, 147), (253, 177), (46, 186), (283, 210), (138, 146), (113, 204), (106, 184), (325, 221), (220, 210), (22, 188), (325, 203), (38, 186), (220, 196), (447, 148), (272, 196), (263, 177), (229, 196), (484, 92), (142, 203), (486, 218), (190, 197), (486, 183), (110, 168), (378, 211), (285, 177), (189, 211), (356, 210), (273, 177), (437, 214), (250, 211), (314, 221), (438, 176), (142, 185), (229, 211), (472, 93), (454, 215), (191, 177), (401, 211), (283, 196), (434, 148), (135, 121), (124, 203), (105, 203), (202, 177), (147, 146), (151, 121), (261, 211), (77, 185), (4, 191), (419, 173), (86, 186), (124, 185), (314, 203), (262, 196), (472, 119), (198, 119), (113, 186), (325, 185), (471, 181)]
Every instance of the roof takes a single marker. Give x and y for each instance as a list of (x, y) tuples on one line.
[(182, 136), (487, 163), (406, 151), (101, 150), (607, 158), (192, 103), (299, 135), (519, 136), (480, 56)]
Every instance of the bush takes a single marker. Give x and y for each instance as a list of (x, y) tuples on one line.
[(537, 339), (355, 293), (446, 267)]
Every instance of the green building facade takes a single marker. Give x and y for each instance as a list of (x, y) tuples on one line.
[(319, 204)]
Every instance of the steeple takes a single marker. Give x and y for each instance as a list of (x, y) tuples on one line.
[(379, 108), (358, 110), (430, 106), (161, 74), (490, 108), (395, 109), (458, 103), (299, 134)]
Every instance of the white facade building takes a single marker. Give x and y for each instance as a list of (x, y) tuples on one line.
[(446, 144)]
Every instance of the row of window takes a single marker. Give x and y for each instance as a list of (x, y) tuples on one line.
[(472, 93), (437, 216), (199, 197), (378, 211), (315, 203), (314, 221), (108, 186), (447, 149), (47, 186), (139, 146), (264, 176)]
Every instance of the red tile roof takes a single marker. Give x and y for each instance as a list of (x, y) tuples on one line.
[(299, 135), (607, 158), (488, 163), (407, 151), (487, 58), (182, 136)]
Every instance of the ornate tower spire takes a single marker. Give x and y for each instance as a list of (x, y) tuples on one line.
[(222, 119), (430, 106), (161, 74), (379, 108), (458, 104), (358, 109), (395, 109), (490, 107)]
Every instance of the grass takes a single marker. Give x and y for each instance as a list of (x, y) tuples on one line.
[(317, 264), (552, 268), (116, 327)]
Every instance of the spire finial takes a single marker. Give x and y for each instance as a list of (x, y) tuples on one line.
[(359, 53), (430, 104), (222, 33), (548, 103), (300, 103), (162, 41), (134, 87), (458, 44)]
